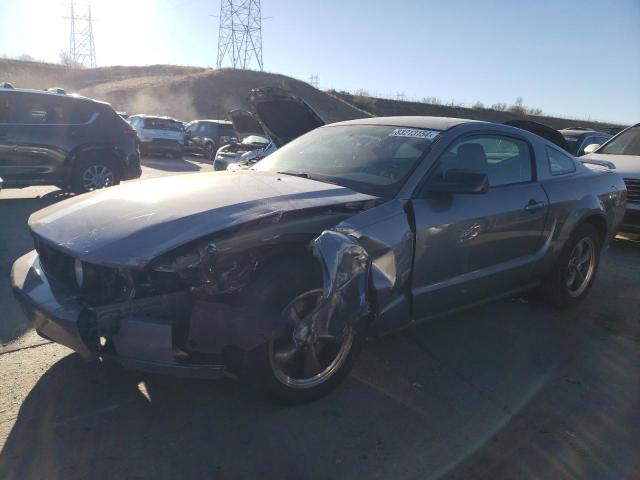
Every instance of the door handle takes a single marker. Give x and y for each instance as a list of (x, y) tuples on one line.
[(534, 206)]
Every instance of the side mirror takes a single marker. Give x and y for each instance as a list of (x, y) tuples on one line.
[(591, 148), (460, 181)]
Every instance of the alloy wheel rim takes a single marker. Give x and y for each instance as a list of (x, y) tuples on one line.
[(312, 360), (96, 177), (582, 262)]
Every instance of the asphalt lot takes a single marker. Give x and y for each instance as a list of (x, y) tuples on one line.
[(508, 390)]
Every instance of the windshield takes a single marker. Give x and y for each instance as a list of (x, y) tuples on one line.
[(627, 143), (162, 124), (373, 159)]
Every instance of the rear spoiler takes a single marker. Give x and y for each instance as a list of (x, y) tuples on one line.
[(601, 163)]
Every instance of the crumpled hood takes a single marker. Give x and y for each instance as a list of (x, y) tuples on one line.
[(626, 165), (131, 224)]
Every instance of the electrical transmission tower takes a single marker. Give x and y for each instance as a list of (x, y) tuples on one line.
[(314, 81), (82, 50), (240, 33)]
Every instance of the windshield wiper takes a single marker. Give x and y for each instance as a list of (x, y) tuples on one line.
[(294, 174)]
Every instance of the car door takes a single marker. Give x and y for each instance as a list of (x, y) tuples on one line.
[(36, 138), (470, 247)]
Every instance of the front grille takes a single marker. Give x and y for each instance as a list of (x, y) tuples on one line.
[(633, 190), (101, 285), (58, 266)]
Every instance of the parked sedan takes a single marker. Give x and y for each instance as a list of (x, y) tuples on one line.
[(355, 229), (623, 151)]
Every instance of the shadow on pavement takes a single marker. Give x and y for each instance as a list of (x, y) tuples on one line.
[(510, 390), (15, 241), (170, 164)]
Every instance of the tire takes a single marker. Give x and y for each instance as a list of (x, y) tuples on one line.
[(575, 270), (210, 151), (93, 173), (280, 289)]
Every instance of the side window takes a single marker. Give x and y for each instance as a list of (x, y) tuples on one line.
[(505, 160), (33, 110), (560, 163), (4, 108), (80, 113)]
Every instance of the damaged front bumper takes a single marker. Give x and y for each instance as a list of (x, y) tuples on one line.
[(138, 334)]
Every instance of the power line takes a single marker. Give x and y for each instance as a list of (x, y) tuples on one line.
[(240, 33), (82, 50)]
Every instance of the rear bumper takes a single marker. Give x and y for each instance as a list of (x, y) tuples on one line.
[(131, 167), (162, 146), (137, 339)]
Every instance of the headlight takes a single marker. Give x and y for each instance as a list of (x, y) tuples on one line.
[(79, 272)]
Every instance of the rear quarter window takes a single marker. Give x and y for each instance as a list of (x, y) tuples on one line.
[(80, 112), (4, 108), (560, 163)]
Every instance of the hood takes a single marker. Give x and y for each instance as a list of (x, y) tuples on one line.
[(627, 166), (544, 131), (131, 224), (245, 124), (283, 115)]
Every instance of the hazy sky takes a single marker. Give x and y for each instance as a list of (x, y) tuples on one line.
[(577, 58)]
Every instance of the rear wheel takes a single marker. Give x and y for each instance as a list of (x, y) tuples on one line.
[(576, 268), (93, 174)]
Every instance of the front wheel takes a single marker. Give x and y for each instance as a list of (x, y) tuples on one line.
[(576, 268), (298, 364)]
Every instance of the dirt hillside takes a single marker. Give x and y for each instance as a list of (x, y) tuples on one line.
[(382, 107), (186, 93)]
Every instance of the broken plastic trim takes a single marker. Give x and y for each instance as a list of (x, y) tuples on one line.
[(345, 267)]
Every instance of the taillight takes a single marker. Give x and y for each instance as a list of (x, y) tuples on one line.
[(129, 132)]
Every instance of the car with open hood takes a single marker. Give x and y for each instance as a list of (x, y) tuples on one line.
[(623, 151), (278, 273)]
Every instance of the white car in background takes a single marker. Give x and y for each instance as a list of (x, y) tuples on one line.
[(159, 134), (623, 151)]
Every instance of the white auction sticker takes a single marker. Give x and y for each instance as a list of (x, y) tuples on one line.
[(414, 133)]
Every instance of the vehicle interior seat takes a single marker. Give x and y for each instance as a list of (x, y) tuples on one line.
[(471, 156)]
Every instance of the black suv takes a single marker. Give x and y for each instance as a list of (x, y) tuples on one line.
[(73, 142), (206, 136)]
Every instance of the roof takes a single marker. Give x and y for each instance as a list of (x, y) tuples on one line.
[(226, 122), (45, 92), (433, 123), (578, 133), (144, 115)]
